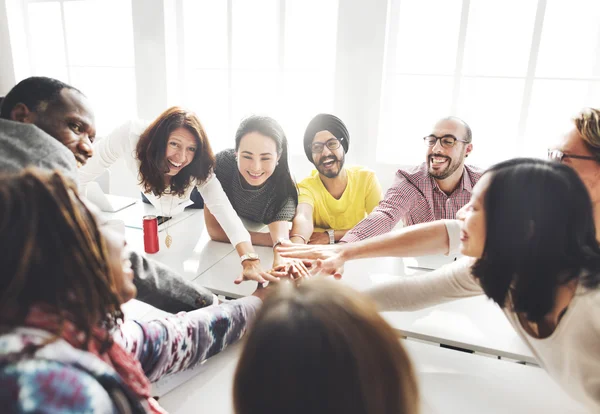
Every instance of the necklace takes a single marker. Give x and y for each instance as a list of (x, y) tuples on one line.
[(169, 239)]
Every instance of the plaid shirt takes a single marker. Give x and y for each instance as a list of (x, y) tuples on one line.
[(415, 198)]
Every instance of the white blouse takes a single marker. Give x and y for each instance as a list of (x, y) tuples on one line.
[(571, 355), (121, 144)]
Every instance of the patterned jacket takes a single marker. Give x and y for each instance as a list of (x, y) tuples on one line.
[(59, 378)]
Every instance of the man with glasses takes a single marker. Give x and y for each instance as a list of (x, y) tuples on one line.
[(435, 190), (334, 198)]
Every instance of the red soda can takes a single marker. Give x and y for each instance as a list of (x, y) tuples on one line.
[(150, 234)]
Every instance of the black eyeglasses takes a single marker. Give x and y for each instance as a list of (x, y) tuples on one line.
[(559, 156), (332, 144), (447, 141)]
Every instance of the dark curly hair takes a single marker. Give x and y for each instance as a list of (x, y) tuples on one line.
[(540, 234), (152, 146), (53, 253)]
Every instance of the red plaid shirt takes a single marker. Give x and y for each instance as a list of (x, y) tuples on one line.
[(415, 198)]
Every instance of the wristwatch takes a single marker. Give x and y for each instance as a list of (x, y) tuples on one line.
[(331, 233), (249, 256)]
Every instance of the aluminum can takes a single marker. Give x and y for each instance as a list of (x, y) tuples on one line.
[(150, 234)]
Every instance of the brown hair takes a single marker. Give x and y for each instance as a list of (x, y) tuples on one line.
[(152, 146), (323, 348), (52, 254), (587, 123)]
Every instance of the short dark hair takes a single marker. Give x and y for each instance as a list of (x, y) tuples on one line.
[(151, 149), (32, 92), (323, 348), (540, 234)]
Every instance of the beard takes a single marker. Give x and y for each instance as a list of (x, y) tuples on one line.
[(451, 167), (331, 173)]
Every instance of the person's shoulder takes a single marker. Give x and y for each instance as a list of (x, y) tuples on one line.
[(226, 156), (23, 145), (361, 171), (474, 171), (29, 136), (311, 180), (415, 175), (41, 384)]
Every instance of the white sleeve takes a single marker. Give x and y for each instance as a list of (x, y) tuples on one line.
[(217, 202), (450, 282), (453, 229), (106, 152)]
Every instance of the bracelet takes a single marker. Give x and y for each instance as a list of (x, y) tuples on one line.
[(299, 235), (279, 241)]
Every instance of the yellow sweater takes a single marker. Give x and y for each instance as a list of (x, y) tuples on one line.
[(361, 196)]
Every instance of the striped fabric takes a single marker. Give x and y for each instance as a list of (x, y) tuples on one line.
[(415, 198)]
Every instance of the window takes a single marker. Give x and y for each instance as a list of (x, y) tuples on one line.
[(88, 44), (509, 69), (258, 57)]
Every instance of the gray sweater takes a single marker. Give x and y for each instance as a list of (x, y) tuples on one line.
[(25, 145)]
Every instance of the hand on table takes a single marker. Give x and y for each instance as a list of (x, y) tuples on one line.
[(253, 271), (329, 259)]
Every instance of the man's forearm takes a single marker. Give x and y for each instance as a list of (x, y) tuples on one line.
[(418, 240)]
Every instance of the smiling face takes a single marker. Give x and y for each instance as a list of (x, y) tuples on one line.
[(118, 260), (443, 162), (329, 162), (256, 158), (472, 218), (181, 150), (70, 120)]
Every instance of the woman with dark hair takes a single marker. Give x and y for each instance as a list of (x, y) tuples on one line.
[(63, 345), (171, 157), (323, 349), (530, 228), (257, 180)]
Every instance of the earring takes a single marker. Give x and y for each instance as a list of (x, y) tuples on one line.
[(277, 163)]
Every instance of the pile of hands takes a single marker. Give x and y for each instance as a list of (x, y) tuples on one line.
[(296, 263)]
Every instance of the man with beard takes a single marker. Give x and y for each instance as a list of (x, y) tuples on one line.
[(334, 198), (435, 190)]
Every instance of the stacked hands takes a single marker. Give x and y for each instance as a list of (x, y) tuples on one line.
[(298, 262)]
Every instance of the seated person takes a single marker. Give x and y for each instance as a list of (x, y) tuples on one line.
[(65, 277), (334, 198), (170, 157), (579, 148), (257, 180), (323, 348), (529, 231), (435, 190), (48, 124)]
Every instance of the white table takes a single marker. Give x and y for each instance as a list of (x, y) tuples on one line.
[(450, 382), (475, 324)]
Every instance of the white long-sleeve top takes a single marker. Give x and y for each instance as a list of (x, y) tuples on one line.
[(121, 144), (571, 355)]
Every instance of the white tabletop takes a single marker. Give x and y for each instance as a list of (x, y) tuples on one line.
[(450, 382), (475, 323)]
